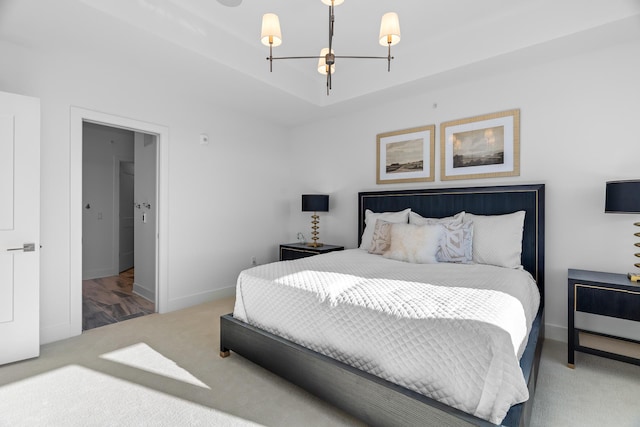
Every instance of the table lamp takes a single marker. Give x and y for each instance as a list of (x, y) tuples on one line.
[(624, 197), (315, 203)]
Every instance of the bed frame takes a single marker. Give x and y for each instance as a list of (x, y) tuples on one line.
[(373, 400)]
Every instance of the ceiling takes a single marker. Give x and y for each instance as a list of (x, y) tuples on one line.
[(213, 46)]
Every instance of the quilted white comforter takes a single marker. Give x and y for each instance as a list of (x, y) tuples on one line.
[(452, 332)]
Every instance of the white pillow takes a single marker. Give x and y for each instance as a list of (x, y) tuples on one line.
[(497, 239), (414, 243), (370, 219), (415, 218)]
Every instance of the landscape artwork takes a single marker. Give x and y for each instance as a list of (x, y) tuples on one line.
[(480, 147), (486, 146), (405, 156)]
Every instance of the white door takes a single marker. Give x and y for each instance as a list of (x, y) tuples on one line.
[(19, 227)]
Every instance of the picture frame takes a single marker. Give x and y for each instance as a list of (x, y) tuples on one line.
[(406, 155), (486, 146)]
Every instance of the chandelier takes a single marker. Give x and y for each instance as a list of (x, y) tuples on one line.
[(272, 36)]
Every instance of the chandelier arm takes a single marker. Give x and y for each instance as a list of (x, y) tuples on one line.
[(295, 57), (331, 20), (336, 56), (362, 57)]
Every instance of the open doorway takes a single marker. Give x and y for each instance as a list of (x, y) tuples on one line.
[(78, 116), (119, 223)]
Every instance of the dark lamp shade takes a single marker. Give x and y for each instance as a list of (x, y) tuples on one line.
[(622, 197), (315, 203)]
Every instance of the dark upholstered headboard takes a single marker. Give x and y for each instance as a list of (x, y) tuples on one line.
[(441, 202)]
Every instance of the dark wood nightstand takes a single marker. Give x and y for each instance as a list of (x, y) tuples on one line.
[(605, 294), (291, 251)]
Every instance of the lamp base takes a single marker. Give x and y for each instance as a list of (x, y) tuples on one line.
[(314, 233), (634, 277)]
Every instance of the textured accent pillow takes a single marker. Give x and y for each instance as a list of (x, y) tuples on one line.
[(456, 244), (381, 239), (497, 239), (457, 239), (414, 243), (370, 218)]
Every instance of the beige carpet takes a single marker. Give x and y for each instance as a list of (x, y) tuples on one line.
[(164, 370), (599, 392)]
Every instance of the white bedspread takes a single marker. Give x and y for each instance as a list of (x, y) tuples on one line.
[(452, 332)]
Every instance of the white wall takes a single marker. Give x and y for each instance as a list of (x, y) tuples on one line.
[(239, 196), (578, 119), (101, 147), (228, 200)]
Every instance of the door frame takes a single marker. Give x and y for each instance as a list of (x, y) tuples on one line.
[(77, 117)]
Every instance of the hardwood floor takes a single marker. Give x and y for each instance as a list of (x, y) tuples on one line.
[(111, 299)]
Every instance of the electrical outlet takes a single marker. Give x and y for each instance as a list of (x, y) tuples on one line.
[(254, 261)]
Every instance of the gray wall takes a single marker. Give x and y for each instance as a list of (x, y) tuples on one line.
[(103, 148)]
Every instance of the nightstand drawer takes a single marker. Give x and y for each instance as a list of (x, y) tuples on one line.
[(287, 254), (291, 251), (620, 303)]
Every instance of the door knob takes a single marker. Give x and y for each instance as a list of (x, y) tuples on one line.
[(27, 247)]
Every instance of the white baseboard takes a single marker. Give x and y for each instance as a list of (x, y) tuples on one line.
[(57, 332), (555, 332), (191, 300), (98, 273), (144, 293), (61, 331)]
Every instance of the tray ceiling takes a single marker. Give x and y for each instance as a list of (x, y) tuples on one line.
[(219, 40)]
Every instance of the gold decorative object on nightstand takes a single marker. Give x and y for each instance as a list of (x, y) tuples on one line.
[(635, 277), (624, 197)]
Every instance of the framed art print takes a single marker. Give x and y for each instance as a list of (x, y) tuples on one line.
[(485, 146), (406, 155)]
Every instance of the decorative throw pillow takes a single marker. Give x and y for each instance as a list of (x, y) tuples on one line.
[(414, 243), (457, 238), (370, 223), (381, 239), (497, 239), (456, 244)]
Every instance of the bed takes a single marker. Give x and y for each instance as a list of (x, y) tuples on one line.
[(366, 392)]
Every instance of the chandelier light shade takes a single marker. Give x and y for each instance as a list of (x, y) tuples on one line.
[(272, 36), (390, 29), (624, 197)]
